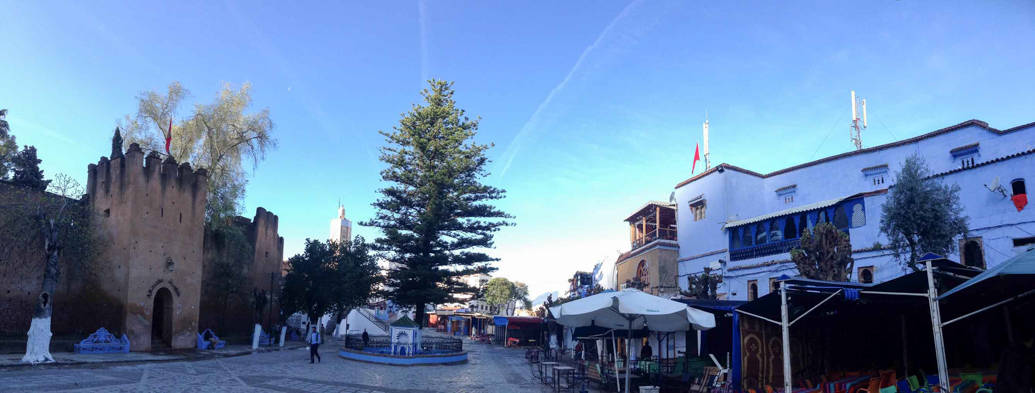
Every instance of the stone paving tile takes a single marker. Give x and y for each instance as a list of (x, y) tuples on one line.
[(489, 369)]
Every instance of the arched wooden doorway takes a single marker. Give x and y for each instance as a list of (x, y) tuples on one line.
[(161, 319)]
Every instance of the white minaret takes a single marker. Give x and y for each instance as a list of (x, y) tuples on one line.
[(341, 227), (707, 163)]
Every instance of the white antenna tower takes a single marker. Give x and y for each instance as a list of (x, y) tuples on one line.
[(707, 163), (855, 130)]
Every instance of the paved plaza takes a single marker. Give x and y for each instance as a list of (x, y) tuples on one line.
[(489, 369)]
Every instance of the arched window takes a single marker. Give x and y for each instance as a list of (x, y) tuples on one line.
[(775, 231), (866, 275), (735, 237), (642, 274), (858, 215), (821, 217), (803, 224), (790, 231), (752, 289), (760, 233), (747, 239), (972, 254), (840, 217)]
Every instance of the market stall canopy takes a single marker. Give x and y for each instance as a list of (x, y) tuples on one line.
[(617, 310), (1010, 275), (806, 294)]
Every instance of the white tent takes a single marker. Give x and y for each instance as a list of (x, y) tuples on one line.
[(629, 310)]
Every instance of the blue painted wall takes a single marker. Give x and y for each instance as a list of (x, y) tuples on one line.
[(733, 195)]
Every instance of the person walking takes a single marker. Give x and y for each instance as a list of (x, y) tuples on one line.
[(314, 345), (366, 338)]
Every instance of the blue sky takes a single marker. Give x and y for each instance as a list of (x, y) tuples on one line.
[(594, 106)]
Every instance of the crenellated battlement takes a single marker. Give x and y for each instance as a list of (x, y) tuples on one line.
[(115, 176), (265, 220)]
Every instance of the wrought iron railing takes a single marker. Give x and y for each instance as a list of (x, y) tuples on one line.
[(662, 234), (427, 344), (771, 248)]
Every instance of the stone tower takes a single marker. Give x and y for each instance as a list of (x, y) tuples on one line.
[(341, 227), (151, 215)]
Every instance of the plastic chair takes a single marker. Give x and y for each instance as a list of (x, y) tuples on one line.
[(872, 387)]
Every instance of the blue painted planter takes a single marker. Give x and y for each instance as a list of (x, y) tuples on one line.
[(395, 360)]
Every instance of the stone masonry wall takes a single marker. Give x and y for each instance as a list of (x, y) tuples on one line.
[(152, 217)]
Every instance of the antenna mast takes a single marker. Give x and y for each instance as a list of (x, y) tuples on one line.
[(855, 130), (707, 163)]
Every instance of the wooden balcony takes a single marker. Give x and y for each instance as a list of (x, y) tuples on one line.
[(656, 234)]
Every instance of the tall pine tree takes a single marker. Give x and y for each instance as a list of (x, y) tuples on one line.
[(435, 211)]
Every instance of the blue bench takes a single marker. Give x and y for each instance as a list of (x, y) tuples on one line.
[(205, 344), (264, 339), (102, 341)]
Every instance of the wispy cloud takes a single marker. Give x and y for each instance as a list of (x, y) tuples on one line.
[(265, 46), (534, 121), (28, 126)]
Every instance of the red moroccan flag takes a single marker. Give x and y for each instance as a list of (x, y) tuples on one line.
[(697, 156), (1020, 201), (169, 137)]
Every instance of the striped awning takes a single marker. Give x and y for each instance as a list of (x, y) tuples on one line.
[(787, 212)]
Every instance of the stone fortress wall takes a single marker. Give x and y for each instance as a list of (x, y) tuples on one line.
[(152, 218), (236, 318), (148, 218)]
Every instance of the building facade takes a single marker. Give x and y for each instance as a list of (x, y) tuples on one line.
[(742, 224), (650, 264)]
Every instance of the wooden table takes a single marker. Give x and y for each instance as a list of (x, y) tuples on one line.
[(568, 374), (546, 370)]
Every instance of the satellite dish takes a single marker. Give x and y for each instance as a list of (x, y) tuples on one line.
[(996, 187), (672, 197)]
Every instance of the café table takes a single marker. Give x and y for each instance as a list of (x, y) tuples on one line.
[(565, 374)]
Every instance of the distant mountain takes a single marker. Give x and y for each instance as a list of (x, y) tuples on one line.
[(539, 300)]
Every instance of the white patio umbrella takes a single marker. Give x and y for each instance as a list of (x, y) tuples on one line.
[(631, 309)]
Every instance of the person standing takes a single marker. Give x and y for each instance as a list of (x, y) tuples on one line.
[(314, 345), (366, 338)]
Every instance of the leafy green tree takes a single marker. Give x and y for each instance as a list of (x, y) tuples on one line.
[(307, 285), (219, 137), (521, 295), (434, 212), (921, 215), (8, 146), (702, 286), (825, 253), (498, 291), (55, 227), (27, 170), (355, 264), (501, 292), (329, 277)]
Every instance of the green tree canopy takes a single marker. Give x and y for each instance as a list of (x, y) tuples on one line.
[(825, 253), (702, 286), (501, 291), (329, 277), (8, 146), (355, 263), (921, 214), (27, 170), (434, 211), (220, 137)]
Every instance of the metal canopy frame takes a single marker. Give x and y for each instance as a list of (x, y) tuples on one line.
[(933, 306)]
